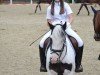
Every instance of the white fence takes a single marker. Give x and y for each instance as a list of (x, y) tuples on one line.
[(11, 1), (29, 1)]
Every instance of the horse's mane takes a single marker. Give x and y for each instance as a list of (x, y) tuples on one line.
[(58, 37)]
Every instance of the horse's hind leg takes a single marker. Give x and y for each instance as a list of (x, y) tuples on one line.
[(80, 8), (40, 7), (87, 9), (36, 8), (85, 5)]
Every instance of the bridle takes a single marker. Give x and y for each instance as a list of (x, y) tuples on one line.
[(59, 52)]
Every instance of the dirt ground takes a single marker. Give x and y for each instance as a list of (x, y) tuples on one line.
[(20, 26)]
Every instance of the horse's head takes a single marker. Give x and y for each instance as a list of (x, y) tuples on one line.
[(58, 35), (58, 38), (96, 22)]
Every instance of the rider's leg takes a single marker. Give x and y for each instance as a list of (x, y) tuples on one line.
[(79, 52), (78, 60), (42, 60), (42, 52)]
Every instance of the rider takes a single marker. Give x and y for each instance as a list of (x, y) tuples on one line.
[(60, 12)]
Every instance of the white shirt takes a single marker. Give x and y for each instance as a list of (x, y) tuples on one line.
[(59, 18)]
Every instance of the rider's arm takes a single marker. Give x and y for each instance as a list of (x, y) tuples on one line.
[(49, 16), (69, 13), (70, 18)]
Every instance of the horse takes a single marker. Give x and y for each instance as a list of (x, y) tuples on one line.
[(87, 2), (41, 1), (60, 44), (96, 23)]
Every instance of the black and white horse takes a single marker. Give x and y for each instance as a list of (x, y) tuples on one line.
[(60, 46)]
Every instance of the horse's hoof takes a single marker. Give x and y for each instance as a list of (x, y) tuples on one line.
[(77, 14), (99, 57)]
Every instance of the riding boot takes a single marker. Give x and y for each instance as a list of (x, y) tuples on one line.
[(42, 60), (78, 60)]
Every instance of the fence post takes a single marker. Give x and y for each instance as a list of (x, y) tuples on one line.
[(10, 1), (31, 2)]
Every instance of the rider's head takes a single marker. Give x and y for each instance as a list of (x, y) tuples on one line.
[(61, 6)]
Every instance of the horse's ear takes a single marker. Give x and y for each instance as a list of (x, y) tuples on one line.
[(51, 26), (93, 10), (64, 26)]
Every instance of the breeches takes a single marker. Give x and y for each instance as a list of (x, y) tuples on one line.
[(69, 31), (44, 38), (72, 33)]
